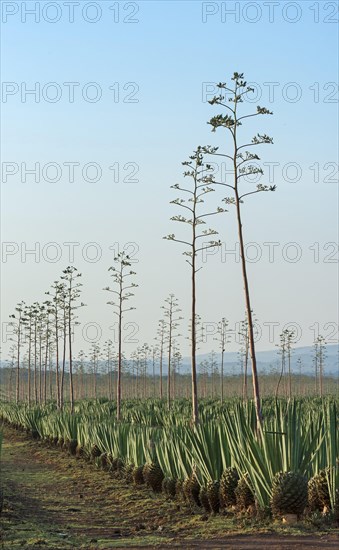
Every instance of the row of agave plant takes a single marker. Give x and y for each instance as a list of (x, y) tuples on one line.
[(290, 467)]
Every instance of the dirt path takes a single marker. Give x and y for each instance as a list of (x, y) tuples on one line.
[(53, 501)]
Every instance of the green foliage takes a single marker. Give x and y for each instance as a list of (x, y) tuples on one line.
[(299, 435)]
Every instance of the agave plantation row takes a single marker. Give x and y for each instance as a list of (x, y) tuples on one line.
[(95, 383), (220, 462)]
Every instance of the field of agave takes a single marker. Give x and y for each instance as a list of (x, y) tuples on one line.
[(289, 467)]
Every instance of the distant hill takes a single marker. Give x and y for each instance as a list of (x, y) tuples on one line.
[(271, 358), (266, 360)]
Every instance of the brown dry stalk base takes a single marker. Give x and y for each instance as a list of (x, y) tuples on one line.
[(54, 501)]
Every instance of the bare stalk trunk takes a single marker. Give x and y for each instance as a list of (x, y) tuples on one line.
[(245, 369), (222, 375), (29, 362), (321, 369), (35, 363), (71, 387), (289, 373), (169, 363), (63, 361), (161, 355), (45, 366), (119, 354), (40, 366), (57, 377), (195, 414), (17, 396), (281, 372), (256, 392)]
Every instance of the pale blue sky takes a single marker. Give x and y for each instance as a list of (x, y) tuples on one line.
[(168, 55)]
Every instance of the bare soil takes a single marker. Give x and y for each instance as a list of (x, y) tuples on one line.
[(55, 501)]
